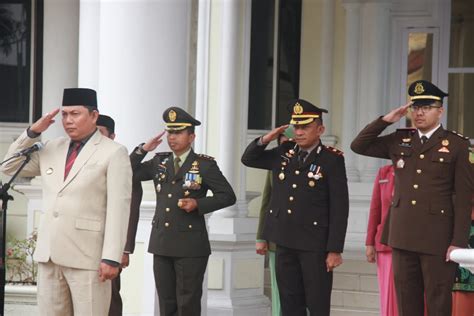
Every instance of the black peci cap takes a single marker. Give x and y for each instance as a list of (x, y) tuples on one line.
[(80, 96), (106, 121)]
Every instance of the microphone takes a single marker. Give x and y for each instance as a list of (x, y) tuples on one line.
[(25, 152)]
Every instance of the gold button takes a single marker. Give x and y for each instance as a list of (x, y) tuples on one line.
[(403, 154), (315, 223), (291, 198), (271, 211), (167, 224), (413, 202), (289, 211), (173, 182), (294, 186), (442, 211), (415, 186), (167, 209), (422, 156), (441, 159), (418, 171), (170, 195), (297, 172), (190, 226)]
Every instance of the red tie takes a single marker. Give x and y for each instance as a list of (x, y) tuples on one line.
[(72, 157)]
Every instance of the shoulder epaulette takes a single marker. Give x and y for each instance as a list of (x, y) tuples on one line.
[(334, 150), (205, 157), (459, 135)]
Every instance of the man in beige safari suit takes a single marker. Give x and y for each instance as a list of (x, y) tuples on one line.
[(86, 180)]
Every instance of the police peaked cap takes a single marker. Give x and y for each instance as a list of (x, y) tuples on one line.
[(177, 119), (304, 112), (423, 92)]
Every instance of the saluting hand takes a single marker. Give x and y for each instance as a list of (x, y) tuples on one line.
[(396, 114), (44, 122), (154, 142), (187, 204), (333, 260), (273, 134)]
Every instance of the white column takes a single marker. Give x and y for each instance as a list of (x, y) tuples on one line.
[(351, 70), (374, 61), (235, 272), (202, 73), (60, 47), (135, 54), (327, 60)]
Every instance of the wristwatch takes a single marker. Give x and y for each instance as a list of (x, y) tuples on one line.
[(140, 150)]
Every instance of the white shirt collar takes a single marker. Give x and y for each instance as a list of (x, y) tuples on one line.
[(428, 135)]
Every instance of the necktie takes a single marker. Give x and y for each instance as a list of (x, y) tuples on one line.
[(176, 164), (72, 157), (424, 139), (301, 157)]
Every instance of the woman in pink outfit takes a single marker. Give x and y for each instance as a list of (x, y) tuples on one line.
[(375, 251)]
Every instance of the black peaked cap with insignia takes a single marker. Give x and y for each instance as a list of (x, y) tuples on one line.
[(177, 119), (80, 96), (304, 112), (423, 92), (106, 121)]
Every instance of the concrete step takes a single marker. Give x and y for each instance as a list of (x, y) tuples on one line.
[(355, 300), (353, 312)]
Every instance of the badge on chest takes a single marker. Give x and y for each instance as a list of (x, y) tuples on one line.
[(192, 178), (314, 174)]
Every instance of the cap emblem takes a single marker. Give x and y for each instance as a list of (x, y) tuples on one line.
[(172, 115), (419, 89), (298, 109)]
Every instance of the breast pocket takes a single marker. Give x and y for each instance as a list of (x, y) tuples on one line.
[(441, 164)]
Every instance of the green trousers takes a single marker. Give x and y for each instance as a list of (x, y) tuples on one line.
[(276, 309)]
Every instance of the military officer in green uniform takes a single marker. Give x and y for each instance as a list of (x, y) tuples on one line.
[(307, 214), (179, 239), (430, 212)]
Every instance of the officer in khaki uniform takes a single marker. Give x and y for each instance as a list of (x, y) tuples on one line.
[(179, 239), (431, 204), (308, 210)]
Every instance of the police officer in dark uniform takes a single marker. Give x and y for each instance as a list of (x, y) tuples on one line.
[(307, 214), (430, 212), (179, 239)]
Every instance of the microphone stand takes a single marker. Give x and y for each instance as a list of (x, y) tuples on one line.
[(5, 197)]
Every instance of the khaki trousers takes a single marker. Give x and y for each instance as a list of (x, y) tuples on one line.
[(64, 291)]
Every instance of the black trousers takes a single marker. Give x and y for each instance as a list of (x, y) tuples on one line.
[(418, 276), (179, 284), (116, 300), (303, 282)]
